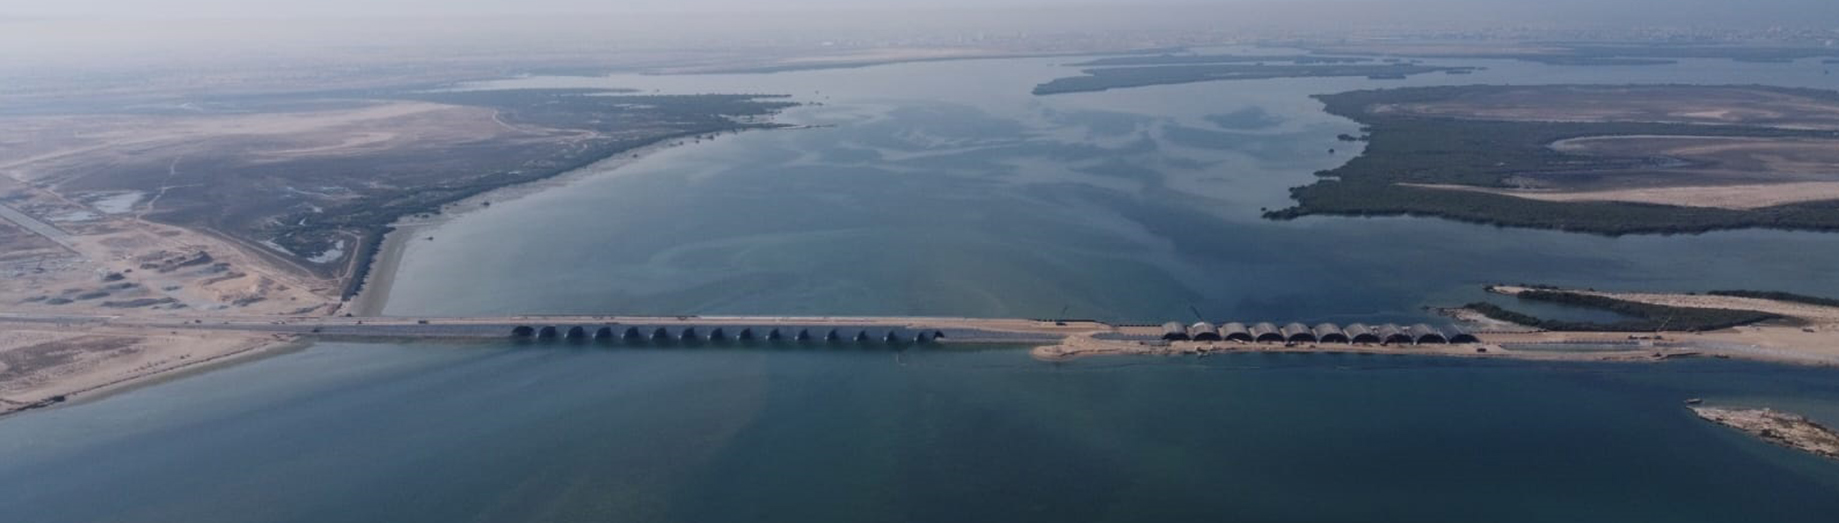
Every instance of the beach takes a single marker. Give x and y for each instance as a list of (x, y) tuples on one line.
[(47, 364)]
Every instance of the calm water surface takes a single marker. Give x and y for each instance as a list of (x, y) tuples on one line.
[(946, 189), (431, 433)]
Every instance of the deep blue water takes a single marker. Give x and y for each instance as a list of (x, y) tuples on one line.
[(348, 432)]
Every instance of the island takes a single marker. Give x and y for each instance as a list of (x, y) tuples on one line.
[(1781, 428), (1107, 78), (1589, 158)]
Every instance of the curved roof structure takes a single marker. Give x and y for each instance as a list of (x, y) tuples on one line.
[(1235, 332), (1458, 335), (1422, 334), (1297, 332), (1329, 333), (1174, 331), (1390, 333), (1263, 332), (1203, 331), (1360, 333)]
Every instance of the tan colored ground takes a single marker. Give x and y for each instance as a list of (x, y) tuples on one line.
[(1781, 428), (1654, 104), (1812, 340), (43, 146), (1822, 318), (41, 362), (1736, 197), (147, 256)]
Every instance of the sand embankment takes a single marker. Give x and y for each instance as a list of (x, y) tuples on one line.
[(42, 365)]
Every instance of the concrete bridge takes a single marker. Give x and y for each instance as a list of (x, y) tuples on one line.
[(654, 334), (770, 330)]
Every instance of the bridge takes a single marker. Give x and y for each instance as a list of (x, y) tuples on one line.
[(754, 330)]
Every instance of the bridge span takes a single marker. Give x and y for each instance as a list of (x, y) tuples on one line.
[(743, 330)]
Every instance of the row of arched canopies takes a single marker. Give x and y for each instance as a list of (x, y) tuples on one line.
[(1357, 333), (718, 333)]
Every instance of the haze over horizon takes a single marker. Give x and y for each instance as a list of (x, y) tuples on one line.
[(1723, 12)]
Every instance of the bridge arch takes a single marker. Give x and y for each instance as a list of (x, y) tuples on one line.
[(548, 332), (689, 334), (604, 333), (632, 335), (717, 334), (576, 333), (861, 336), (523, 331), (660, 334), (746, 334)]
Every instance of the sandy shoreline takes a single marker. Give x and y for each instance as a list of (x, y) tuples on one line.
[(373, 299), (44, 366)]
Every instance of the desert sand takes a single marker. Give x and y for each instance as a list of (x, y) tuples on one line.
[(45, 364)]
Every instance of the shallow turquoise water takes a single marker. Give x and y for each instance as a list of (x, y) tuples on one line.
[(346, 432)]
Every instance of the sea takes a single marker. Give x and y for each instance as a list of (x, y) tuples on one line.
[(946, 188)]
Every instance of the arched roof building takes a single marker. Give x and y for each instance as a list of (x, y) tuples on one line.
[(1264, 332), (1298, 333), (1236, 332), (1422, 334), (1458, 335), (1361, 333), (1203, 331), (1329, 333), (1174, 331)]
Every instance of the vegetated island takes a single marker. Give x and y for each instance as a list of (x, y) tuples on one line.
[(1190, 59), (1579, 53), (1781, 428), (1107, 78), (1600, 159), (1642, 317)]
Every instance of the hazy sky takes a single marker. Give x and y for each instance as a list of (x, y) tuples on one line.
[(473, 7), (1816, 13)]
